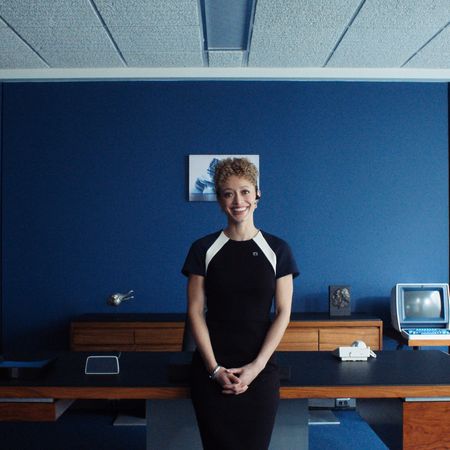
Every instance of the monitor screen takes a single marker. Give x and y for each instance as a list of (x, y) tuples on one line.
[(423, 304)]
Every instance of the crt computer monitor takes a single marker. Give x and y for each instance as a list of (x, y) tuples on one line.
[(420, 305)]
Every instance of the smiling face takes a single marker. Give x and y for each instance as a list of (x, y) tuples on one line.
[(238, 199)]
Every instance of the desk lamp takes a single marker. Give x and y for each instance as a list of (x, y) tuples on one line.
[(118, 298)]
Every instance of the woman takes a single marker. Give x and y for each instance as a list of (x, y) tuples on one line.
[(234, 275)]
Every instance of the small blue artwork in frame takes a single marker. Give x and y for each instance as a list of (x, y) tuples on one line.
[(201, 175)]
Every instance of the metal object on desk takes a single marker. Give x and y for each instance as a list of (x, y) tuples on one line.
[(117, 298)]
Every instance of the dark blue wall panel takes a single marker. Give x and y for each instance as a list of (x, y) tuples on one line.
[(353, 175)]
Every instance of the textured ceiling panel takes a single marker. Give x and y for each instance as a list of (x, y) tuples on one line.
[(157, 38), (298, 33), (139, 13), (436, 54), (387, 33), (14, 52), (225, 58), (167, 59), (66, 33), (387, 39), (155, 33)]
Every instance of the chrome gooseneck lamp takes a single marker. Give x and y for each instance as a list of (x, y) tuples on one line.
[(117, 298)]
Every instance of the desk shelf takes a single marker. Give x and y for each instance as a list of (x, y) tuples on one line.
[(416, 343)]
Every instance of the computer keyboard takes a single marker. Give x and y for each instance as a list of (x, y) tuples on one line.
[(427, 333)]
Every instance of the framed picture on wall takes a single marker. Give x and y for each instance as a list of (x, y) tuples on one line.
[(201, 175)]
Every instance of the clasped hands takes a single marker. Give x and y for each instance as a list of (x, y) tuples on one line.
[(236, 381)]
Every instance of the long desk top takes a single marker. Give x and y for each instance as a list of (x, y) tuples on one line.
[(393, 374)]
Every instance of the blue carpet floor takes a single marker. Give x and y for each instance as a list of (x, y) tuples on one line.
[(93, 430), (353, 433)]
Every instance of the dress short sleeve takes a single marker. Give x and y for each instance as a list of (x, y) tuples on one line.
[(286, 263), (279, 253), (195, 261)]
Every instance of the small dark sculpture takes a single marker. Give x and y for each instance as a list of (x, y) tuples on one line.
[(340, 298)]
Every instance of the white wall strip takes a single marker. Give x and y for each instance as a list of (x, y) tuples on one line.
[(245, 73)]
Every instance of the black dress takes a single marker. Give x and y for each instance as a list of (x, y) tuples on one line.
[(240, 280)]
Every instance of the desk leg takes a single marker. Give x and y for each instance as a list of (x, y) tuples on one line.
[(291, 426), (171, 425)]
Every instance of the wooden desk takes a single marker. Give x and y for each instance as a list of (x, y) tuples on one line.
[(422, 378), (164, 332)]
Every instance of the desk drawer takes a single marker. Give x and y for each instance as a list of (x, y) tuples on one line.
[(101, 337), (296, 339), (159, 338), (329, 339)]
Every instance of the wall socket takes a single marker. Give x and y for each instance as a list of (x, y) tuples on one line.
[(345, 403)]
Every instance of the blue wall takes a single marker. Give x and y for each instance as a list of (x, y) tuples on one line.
[(354, 176)]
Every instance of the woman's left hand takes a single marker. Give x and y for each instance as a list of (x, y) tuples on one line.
[(246, 373)]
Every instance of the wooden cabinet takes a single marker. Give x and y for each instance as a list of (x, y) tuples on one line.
[(320, 332), (127, 332), (164, 332)]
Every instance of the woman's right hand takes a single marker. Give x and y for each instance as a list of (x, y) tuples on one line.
[(231, 384)]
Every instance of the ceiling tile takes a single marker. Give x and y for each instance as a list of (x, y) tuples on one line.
[(142, 12), (436, 54), (15, 53), (223, 58), (164, 59), (386, 33), (148, 32), (66, 33), (297, 33)]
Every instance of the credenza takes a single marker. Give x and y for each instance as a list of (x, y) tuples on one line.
[(164, 332)]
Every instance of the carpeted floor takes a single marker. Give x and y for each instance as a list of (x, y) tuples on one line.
[(80, 429), (353, 433)]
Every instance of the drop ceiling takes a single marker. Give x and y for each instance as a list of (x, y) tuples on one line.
[(295, 39)]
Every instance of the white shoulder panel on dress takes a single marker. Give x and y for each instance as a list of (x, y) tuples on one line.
[(215, 247), (267, 250)]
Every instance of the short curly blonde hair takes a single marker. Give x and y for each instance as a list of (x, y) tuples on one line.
[(240, 167)]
